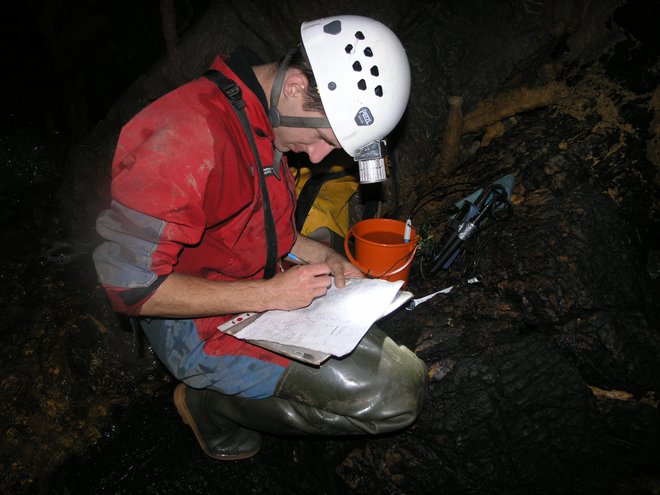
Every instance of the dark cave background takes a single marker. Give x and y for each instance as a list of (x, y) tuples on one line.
[(544, 378)]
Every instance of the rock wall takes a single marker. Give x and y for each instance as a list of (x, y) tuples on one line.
[(472, 49)]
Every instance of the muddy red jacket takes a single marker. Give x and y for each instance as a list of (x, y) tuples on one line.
[(186, 196)]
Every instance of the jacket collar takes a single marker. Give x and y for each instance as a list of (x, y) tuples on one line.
[(241, 62)]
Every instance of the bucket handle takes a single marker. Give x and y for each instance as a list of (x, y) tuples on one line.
[(366, 270)]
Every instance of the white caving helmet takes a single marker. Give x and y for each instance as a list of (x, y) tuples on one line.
[(363, 78)]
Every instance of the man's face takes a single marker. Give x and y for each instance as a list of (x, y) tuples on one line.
[(316, 142)]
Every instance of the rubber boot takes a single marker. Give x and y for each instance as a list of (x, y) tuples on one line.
[(378, 388), (218, 436)]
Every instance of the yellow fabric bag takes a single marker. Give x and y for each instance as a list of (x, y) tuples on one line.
[(323, 198)]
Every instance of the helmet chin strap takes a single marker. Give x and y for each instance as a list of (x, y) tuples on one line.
[(276, 119)]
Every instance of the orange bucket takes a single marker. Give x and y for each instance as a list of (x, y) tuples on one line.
[(380, 251)]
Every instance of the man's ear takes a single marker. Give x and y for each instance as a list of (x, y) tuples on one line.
[(294, 85)]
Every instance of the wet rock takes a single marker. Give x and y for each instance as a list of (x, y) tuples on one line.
[(544, 376)]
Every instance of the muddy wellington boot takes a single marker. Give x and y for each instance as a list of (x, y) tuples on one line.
[(219, 437), (379, 388)]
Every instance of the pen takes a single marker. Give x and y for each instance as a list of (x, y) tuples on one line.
[(408, 231), (296, 259)]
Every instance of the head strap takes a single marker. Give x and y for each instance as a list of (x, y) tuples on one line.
[(276, 119)]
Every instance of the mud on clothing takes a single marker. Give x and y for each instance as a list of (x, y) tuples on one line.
[(186, 199)]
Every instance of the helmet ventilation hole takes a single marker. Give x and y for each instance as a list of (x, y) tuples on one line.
[(359, 35), (333, 27), (374, 71), (378, 91), (362, 84), (356, 66), (368, 52), (348, 48)]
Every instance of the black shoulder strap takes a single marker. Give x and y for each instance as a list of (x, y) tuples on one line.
[(235, 96)]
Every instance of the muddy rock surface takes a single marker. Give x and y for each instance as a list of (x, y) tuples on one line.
[(544, 376)]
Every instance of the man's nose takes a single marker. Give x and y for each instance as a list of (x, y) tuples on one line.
[(318, 151)]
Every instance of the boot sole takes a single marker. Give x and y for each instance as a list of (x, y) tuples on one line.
[(186, 417)]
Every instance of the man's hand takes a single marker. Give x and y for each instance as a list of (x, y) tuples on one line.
[(317, 254), (342, 269), (299, 286)]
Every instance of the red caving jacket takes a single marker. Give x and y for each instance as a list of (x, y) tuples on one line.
[(186, 196)]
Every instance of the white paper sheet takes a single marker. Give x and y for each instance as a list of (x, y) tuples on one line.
[(334, 323)]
